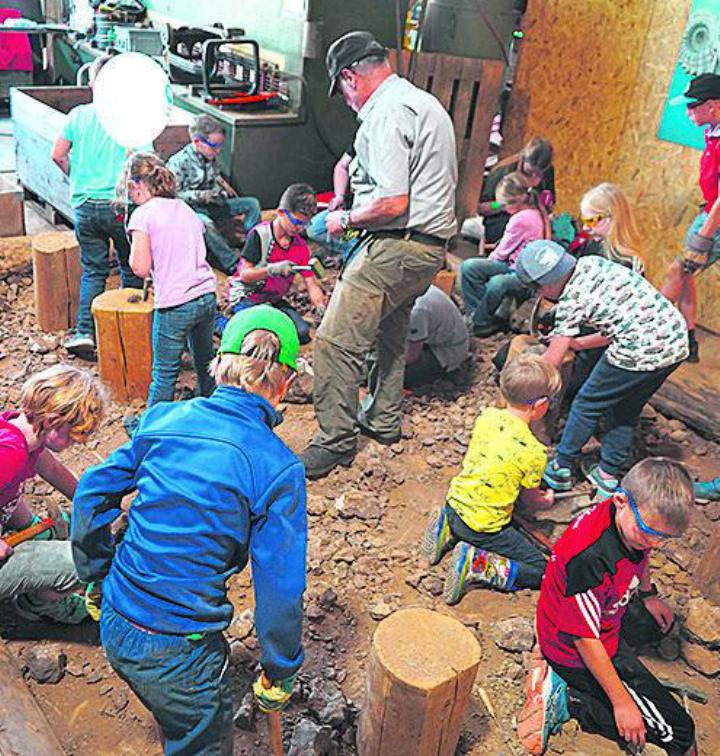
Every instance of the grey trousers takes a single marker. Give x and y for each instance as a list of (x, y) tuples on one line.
[(38, 565), (369, 313)]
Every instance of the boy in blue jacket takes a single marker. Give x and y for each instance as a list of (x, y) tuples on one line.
[(214, 486)]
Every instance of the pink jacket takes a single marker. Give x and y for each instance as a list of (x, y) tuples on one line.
[(15, 52), (523, 227)]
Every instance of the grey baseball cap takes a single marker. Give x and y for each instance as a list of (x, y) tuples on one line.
[(348, 49), (543, 262)]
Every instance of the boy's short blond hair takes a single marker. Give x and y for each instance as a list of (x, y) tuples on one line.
[(61, 395), (527, 378), (256, 369), (664, 487)]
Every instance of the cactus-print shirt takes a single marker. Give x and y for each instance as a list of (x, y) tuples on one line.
[(646, 332)]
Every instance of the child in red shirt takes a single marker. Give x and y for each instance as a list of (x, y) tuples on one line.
[(58, 407), (598, 567), (272, 253)]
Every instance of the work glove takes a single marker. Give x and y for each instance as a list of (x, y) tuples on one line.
[(275, 697), (282, 268), (697, 249), (93, 600)]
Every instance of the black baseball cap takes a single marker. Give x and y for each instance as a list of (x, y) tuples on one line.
[(347, 50), (703, 88)]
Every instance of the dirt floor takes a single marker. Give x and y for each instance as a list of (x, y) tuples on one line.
[(365, 524)]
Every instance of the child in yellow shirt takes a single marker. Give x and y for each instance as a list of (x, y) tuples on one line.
[(504, 461)]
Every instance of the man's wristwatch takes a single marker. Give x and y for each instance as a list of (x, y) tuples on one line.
[(652, 591), (345, 220)]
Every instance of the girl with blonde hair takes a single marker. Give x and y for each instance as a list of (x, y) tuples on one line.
[(608, 219), (168, 244)]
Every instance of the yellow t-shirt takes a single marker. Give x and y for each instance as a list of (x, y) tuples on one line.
[(502, 458)]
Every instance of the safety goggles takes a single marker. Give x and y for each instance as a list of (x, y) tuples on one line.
[(208, 143), (639, 520), (590, 221), (295, 221)]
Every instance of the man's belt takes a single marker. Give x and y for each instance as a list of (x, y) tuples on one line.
[(409, 235)]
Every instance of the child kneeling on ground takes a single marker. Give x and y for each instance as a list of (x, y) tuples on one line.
[(214, 486), (272, 252), (598, 567), (59, 406), (503, 460)]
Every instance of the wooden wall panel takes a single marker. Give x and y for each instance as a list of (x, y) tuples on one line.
[(593, 78)]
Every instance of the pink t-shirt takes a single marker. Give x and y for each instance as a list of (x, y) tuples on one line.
[(179, 269), (523, 227), (17, 464)]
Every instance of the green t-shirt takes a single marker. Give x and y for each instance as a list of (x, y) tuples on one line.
[(96, 160)]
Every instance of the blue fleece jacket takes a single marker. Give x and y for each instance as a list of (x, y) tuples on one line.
[(213, 483)]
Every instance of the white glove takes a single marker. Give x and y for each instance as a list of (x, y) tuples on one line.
[(282, 268)]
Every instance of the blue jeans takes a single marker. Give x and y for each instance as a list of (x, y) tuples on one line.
[(221, 254), (508, 542), (173, 327), (484, 283), (186, 684), (95, 224), (618, 396), (301, 326), (334, 245)]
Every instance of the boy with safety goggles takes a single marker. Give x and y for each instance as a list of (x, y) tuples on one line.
[(587, 667), (201, 184)]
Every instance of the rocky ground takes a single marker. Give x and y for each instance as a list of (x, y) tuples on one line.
[(365, 524)]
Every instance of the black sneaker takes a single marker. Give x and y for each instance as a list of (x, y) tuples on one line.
[(320, 461)]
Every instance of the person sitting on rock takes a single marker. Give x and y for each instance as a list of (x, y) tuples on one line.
[(215, 486), (59, 407), (201, 184), (273, 252), (586, 666), (503, 461)]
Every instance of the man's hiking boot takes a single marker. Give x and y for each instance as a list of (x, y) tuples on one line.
[(320, 461)]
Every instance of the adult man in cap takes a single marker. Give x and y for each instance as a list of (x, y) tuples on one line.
[(215, 486), (403, 179), (646, 340), (703, 238)]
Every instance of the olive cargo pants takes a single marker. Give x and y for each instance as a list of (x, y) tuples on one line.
[(369, 313)]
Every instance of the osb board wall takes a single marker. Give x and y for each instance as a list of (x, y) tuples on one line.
[(593, 78)]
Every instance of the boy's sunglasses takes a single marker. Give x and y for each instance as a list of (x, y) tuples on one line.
[(592, 220), (295, 221), (209, 143), (639, 520)]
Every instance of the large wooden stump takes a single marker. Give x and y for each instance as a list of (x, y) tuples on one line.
[(56, 277), (25, 731), (123, 328), (422, 670)]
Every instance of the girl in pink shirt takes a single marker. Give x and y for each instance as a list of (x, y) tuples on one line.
[(486, 281), (168, 244)]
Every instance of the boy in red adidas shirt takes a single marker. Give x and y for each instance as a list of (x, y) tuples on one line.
[(598, 566)]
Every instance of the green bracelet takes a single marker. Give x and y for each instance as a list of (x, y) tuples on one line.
[(495, 205)]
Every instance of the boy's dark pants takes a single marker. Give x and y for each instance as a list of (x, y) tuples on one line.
[(186, 684), (508, 542), (618, 395), (667, 724)]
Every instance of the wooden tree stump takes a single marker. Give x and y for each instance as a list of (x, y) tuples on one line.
[(123, 328), (56, 276), (422, 669), (25, 731)]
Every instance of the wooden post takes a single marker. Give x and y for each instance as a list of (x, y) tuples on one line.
[(123, 331), (56, 276), (25, 731), (422, 670)]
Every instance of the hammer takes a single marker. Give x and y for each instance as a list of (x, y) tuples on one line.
[(274, 724), (30, 532), (315, 266)]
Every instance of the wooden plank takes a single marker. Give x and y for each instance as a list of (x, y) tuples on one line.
[(25, 730), (448, 69)]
